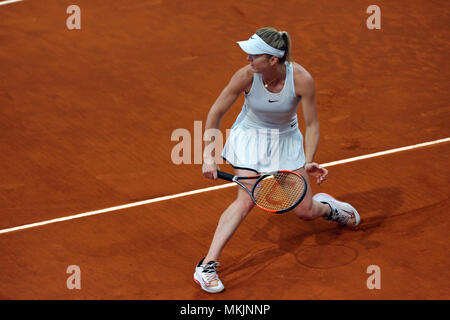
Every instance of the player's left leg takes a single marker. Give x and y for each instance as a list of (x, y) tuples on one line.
[(324, 205), (309, 209), (341, 212)]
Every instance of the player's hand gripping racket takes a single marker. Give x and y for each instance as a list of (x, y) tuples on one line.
[(276, 192)]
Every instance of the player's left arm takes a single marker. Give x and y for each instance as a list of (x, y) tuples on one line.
[(305, 87)]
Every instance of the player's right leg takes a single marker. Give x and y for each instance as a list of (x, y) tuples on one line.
[(205, 271)]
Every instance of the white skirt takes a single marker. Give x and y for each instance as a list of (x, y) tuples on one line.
[(264, 149)]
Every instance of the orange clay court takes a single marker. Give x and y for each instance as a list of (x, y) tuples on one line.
[(86, 118)]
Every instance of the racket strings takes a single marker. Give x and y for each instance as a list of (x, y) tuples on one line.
[(279, 191)]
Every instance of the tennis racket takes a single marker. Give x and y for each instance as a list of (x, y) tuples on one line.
[(276, 192)]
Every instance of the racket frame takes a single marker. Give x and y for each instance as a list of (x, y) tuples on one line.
[(233, 178)]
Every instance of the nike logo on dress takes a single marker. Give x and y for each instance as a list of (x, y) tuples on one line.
[(270, 101)]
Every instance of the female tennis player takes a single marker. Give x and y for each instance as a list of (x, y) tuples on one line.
[(265, 137)]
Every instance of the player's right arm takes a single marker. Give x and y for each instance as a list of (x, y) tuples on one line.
[(239, 82)]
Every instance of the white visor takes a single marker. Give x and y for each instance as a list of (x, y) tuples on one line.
[(256, 45)]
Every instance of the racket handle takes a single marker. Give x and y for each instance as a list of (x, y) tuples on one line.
[(225, 176)]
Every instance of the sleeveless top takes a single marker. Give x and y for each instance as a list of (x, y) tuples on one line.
[(265, 136), (265, 109)]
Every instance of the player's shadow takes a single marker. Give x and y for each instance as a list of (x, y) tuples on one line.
[(374, 206)]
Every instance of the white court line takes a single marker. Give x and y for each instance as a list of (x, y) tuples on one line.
[(382, 153), (222, 186), (8, 2)]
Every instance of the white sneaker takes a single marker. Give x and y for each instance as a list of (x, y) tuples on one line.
[(342, 212), (206, 276)]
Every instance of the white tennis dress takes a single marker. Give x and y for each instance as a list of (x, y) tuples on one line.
[(265, 136)]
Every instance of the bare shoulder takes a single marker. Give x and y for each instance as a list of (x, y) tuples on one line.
[(304, 82), (242, 79)]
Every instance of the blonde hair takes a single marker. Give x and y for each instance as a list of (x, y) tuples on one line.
[(278, 40)]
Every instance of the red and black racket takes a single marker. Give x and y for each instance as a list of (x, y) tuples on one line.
[(276, 192)]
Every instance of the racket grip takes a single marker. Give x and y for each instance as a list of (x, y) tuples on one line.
[(225, 176)]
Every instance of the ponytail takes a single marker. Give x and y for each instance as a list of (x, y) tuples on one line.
[(287, 42), (278, 40)]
